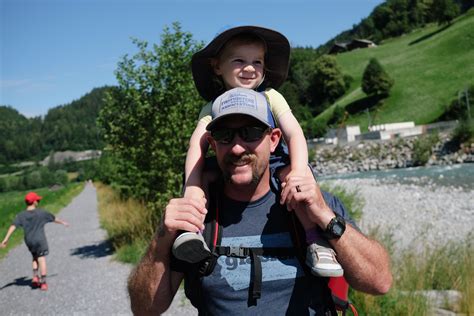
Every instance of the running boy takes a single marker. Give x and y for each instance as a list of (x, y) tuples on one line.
[(33, 220), (254, 58)]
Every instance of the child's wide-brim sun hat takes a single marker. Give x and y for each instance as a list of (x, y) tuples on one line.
[(277, 59)]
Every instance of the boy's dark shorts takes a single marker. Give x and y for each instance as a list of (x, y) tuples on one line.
[(38, 250)]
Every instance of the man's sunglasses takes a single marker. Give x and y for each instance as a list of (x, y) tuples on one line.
[(246, 133)]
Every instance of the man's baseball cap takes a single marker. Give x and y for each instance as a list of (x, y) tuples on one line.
[(241, 101), (277, 59), (32, 197)]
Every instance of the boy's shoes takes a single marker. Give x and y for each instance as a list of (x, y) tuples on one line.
[(190, 247), (321, 258), (44, 286), (35, 282)]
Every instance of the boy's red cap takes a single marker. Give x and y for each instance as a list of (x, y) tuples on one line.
[(32, 197)]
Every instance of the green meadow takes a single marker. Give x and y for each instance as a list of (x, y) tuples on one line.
[(430, 66)]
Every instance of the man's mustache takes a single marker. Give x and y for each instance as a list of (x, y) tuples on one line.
[(242, 159)]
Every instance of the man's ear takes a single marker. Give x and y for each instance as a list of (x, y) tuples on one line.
[(211, 141), (275, 136)]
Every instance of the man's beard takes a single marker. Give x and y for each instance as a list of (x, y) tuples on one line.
[(245, 158)]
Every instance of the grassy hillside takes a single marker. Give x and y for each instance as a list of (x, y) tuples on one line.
[(429, 67)]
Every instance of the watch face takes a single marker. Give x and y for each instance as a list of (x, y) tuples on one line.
[(338, 229)]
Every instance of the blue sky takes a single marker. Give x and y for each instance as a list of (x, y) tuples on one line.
[(55, 51)]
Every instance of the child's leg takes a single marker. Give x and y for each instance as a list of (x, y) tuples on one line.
[(191, 247), (34, 264), (42, 267), (43, 271), (320, 257), (35, 281)]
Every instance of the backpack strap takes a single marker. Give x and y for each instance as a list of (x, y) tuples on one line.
[(255, 289)]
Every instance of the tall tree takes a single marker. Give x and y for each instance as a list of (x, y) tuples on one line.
[(444, 11), (326, 83), (375, 81), (148, 120)]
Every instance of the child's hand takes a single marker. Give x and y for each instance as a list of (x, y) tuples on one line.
[(3, 244)]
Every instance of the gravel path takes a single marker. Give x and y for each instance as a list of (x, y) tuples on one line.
[(82, 277)]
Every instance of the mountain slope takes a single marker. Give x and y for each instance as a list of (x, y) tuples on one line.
[(429, 67)]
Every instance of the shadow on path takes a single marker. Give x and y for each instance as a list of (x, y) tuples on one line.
[(23, 281), (99, 250)]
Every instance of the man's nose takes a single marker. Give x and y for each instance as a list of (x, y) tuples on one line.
[(238, 145)]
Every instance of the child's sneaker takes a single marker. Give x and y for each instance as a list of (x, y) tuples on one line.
[(35, 282), (322, 260), (190, 247), (44, 286)]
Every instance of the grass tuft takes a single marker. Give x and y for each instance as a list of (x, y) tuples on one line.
[(129, 223)]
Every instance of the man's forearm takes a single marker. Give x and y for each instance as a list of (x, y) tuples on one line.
[(366, 263), (151, 284)]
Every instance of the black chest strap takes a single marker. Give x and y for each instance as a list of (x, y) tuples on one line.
[(255, 289)]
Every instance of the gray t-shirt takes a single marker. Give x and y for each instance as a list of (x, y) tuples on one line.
[(33, 223), (286, 290)]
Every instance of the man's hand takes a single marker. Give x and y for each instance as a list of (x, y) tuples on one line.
[(302, 193), (185, 214)]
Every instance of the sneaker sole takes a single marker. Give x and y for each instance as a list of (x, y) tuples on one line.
[(326, 272), (190, 247)]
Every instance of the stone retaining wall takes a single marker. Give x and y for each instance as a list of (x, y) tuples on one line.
[(382, 155)]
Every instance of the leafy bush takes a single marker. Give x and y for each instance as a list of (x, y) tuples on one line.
[(422, 149), (60, 177), (458, 107), (464, 133), (338, 115), (148, 120)]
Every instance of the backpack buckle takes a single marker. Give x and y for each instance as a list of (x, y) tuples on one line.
[(238, 252)]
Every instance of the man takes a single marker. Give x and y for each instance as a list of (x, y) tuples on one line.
[(251, 216)]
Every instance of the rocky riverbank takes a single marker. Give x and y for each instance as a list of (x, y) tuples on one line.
[(382, 155), (417, 214)]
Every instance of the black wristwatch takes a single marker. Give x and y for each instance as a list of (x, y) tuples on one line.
[(335, 228)]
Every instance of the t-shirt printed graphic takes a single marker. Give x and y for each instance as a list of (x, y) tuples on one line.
[(237, 271)]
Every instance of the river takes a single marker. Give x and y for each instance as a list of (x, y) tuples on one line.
[(458, 175)]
